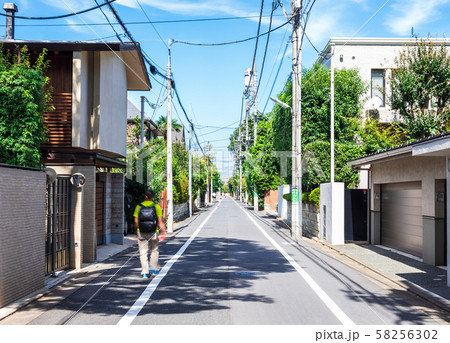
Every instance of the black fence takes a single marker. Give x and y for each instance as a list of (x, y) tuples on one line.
[(58, 226)]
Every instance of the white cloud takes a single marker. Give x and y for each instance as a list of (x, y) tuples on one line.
[(413, 13), (203, 8)]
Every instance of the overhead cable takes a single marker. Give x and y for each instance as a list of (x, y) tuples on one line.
[(63, 15), (137, 22), (233, 42)]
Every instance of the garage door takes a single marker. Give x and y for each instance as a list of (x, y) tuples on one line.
[(401, 217)]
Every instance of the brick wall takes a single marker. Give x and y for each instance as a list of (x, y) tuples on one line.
[(270, 200), (22, 232)]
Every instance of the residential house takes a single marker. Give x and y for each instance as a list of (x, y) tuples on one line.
[(408, 184), (374, 58), (408, 199), (87, 138), (151, 130)]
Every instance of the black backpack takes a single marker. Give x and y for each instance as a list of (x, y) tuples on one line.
[(147, 219)]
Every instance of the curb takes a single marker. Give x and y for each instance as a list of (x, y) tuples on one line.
[(433, 298)]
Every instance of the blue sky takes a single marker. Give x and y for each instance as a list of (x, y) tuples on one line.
[(210, 80)]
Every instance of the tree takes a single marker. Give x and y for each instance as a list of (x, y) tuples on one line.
[(24, 98), (316, 130), (162, 124), (420, 88)]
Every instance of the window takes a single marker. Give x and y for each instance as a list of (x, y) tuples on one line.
[(378, 85)]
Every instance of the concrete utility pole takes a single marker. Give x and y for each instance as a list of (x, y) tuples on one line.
[(190, 165), (207, 180), (142, 122), (169, 147), (240, 164), (255, 132), (297, 217), (332, 113)]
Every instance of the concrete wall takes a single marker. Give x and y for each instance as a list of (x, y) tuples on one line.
[(99, 102), (112, 132), (282, 203), (81, 99), (22, 232), (332, 213), (412, 169)]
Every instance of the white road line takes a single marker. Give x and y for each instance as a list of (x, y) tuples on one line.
[(132, 313), (343, 318)]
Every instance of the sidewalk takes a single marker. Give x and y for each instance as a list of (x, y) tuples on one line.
[(407, 271), (425, 280)]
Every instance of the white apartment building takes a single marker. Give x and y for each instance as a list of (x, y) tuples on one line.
[(374, 58)]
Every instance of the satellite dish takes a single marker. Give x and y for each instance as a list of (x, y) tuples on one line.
[(374, 103)]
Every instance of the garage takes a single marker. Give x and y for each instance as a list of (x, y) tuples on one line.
[(401, 217)]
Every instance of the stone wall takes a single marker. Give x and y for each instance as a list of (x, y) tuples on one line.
[(22, 232), (180, 211), (310, 220)]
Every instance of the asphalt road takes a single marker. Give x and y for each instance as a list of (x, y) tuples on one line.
[(228, 265)]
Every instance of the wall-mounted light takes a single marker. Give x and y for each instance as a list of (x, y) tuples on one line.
[(341, 58)]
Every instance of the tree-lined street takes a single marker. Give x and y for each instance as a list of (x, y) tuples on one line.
[(227, 265)]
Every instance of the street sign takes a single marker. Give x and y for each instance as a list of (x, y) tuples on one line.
[(294, 195)]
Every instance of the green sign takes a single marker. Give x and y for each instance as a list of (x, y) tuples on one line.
[(294, 195)]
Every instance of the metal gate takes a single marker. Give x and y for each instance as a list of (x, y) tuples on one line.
[(57, 232)]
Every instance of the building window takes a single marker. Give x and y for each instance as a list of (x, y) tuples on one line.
[(378, 85)]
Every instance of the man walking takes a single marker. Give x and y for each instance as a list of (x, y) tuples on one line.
[(147, 218)]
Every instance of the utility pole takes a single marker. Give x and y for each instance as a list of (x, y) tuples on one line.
[(255, 126), (212, 189), (190, 165), (332, 113), (240, 164), (297, 216), (169, 147), (142, 121), (247, 108), (207, 180)]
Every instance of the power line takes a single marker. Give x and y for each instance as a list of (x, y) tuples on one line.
[(107, 19), (137, 22), (145, 13), (276, 76), (63, 15), (274, 7), (184, 111), (256, 45), (233, 42)]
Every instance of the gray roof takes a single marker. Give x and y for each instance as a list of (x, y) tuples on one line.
[(394, 151), (132, 110)]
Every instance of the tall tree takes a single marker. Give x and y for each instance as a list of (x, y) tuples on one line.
[(162, 124), (420, 88), (24, 99)]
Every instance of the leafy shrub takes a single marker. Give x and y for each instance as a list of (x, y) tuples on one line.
[(314, 196), (287, 197), (24, 99)]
